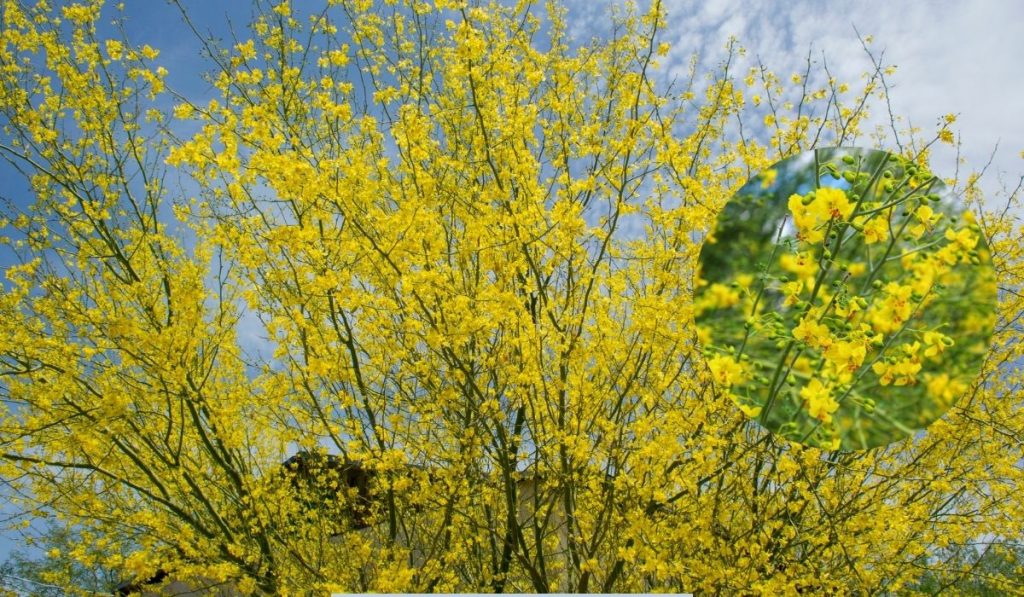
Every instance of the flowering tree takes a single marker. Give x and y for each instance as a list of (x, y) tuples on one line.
[(471, 242)]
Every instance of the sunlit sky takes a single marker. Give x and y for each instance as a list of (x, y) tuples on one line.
[(952, 57)]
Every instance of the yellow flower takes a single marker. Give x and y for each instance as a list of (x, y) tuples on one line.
[(857, 269), (846, 357), (927, 218), (812, 333), (819, 401), (964, 238), (806, 220), (937, 343), (801, 264), (944, 390), (900, 372), (720, 296), (792, 291), (751, 411), (726, 370), (833, 202), (876, 230), (810, 219), (890, 314)]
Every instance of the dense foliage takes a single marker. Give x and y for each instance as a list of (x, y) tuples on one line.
[(470, 244)]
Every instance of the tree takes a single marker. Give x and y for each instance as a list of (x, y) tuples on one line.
[(56, 573), (471, 241)]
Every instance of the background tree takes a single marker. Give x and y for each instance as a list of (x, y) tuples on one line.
[(470, 240)]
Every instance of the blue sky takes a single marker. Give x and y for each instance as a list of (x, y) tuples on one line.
[(953, 57)]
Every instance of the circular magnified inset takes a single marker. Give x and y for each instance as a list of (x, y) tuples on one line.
[(845, 300)]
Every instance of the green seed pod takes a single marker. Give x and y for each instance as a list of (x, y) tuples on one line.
[(869, 405), (887, 174), (791, 379), (888, 187), (934, 197), (848, 159), (808, 199), (850, 176), (877, 284), (826, 254), (781, 344), (862, 302)]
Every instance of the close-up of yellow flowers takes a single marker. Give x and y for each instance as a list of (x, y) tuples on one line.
[(886, 269)]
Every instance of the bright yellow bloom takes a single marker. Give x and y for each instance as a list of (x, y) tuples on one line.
[(751, 411), (890, 314), (792, 291), (876, 230), (936, 343), (801, 264), (833, 202), (818, 401), (726, 370), (846, 357), (945, 390), (812, 333), (900, 372), (720, 296), (964, 238), (927, 219), (810, 219)]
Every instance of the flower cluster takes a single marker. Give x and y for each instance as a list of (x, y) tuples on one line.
[(854, 329)]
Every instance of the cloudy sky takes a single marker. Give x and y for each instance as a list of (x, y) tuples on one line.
[(953, 57)]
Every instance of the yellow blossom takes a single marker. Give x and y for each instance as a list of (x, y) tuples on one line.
[(818, 400)]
